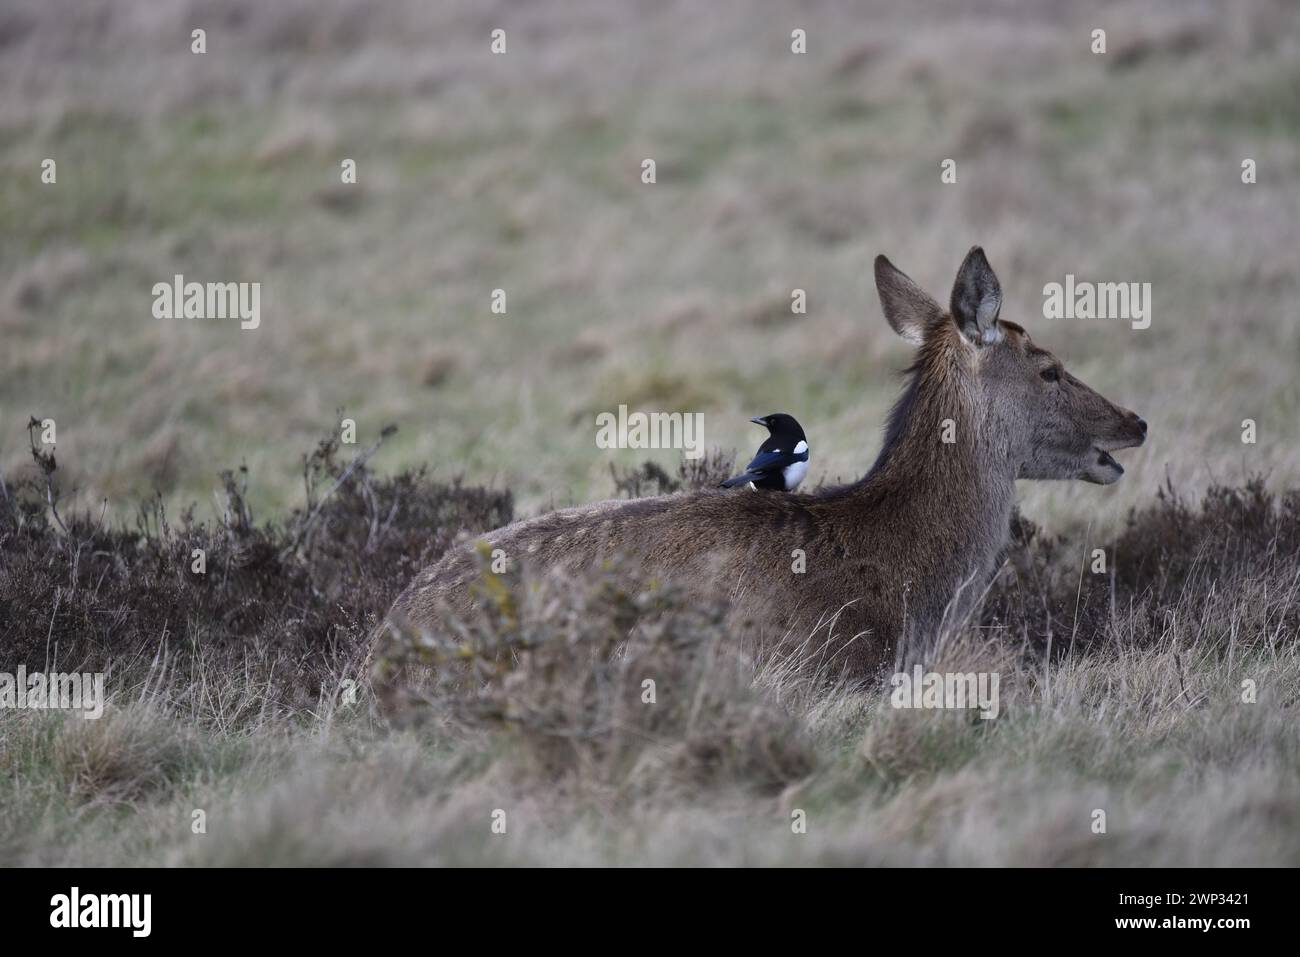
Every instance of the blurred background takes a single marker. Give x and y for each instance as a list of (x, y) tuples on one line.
[(522, 171)]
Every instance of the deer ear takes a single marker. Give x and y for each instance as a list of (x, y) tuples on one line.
[(908, 309), (977, 299)]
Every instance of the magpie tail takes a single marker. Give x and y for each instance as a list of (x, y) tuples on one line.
[(743, 479)]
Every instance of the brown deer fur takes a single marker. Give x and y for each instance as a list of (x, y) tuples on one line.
[(888, 558)]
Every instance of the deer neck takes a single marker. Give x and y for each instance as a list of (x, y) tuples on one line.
[(945, 482)]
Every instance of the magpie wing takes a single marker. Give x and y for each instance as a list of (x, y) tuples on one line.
[(767, 461)]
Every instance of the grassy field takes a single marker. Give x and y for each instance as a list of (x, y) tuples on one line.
[(775, 171), (244, 695)]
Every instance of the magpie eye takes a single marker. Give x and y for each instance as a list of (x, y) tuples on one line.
[(1051, 374)]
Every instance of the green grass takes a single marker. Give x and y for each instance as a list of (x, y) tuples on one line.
[(773, 173)]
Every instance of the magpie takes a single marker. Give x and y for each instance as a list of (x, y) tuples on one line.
[(782, 460)]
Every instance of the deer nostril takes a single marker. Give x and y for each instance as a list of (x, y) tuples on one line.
[(1142, 424)]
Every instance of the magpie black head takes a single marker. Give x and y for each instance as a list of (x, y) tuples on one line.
[(781, 425)]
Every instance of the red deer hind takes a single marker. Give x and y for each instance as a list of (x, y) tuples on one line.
[(887, 558)]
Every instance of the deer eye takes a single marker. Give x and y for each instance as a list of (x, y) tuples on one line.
[(1051, 374)]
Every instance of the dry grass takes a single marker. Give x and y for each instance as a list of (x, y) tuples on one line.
[(521, 172), (1123, 692)]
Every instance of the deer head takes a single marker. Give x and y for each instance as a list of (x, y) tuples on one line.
[(1025, 408)]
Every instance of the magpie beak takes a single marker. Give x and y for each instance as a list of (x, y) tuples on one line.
[(758, 420)]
